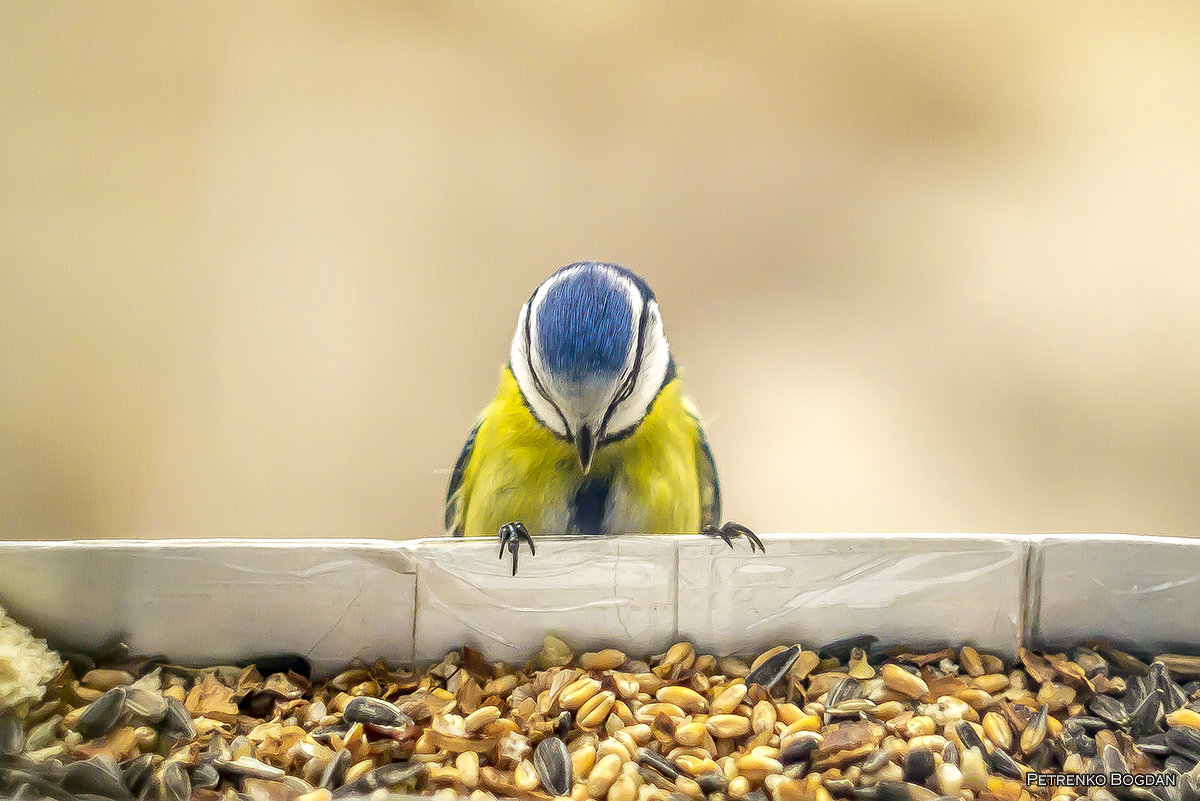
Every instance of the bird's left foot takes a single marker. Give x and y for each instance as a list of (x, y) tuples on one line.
[(731, 530), (511, 537)]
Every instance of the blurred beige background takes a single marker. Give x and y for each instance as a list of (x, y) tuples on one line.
[(925, 267)]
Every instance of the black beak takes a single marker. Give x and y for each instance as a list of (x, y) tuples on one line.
[(585, 443)]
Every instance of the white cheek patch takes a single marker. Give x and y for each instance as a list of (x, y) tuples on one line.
[(519, 360), (656, 356)]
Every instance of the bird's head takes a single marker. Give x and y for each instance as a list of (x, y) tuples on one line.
[(589, 354)]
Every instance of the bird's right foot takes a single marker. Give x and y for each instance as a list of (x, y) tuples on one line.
[(511, 537), (731, 531)]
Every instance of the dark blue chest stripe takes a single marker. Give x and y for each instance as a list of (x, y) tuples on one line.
[(587, 507)]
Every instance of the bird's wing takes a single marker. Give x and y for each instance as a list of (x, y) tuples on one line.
[(706, 468), (454, 496)]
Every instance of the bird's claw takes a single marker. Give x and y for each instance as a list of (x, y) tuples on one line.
[(511, 537), (731, 530)]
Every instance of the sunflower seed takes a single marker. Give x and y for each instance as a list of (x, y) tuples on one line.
[(334, 774), (1180, 666), (1003, 764), (1124, 661), (1175, 787), (113, 652), (1158, 676), (648, 758), (1185, 742), (374, 711), (146, 704), (102, 714), (12, 734), (173, 783), (903, 791), (1109, 709), (99, 775), (1154, 745), (876, 761), (177, 722), (1179, 764), (553, 765), (773, 669), (36, 787), (1175, 698), (918, 765), (387, 777), (1112, 761), (799, 749), (40, 735), (1081, 744), (712, 782), (1171, 694), (840, 649), (1087, 723), (838, 788), (135, 772), (1035, 731), (1146, 717), (969, 737), (323, 734), (846, 689), (1133, 793), (205, 777)]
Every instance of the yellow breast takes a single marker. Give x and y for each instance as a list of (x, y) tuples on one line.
[(650, 481)]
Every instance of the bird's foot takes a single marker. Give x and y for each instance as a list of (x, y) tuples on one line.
[(511, 537), (731, 530)]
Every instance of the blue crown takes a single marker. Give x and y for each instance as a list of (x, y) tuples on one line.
[(585, 321)]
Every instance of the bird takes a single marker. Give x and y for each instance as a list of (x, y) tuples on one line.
[(590, 431)]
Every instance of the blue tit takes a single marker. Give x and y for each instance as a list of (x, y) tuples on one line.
[(590, 431)]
